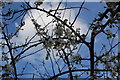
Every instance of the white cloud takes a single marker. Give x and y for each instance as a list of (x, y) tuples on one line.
[(29, 29)]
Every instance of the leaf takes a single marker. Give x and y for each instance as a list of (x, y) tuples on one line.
[(3, 21), (20, 74), (10, 0), (1, 30)]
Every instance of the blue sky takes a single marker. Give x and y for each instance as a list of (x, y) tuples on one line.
[(86, 17)]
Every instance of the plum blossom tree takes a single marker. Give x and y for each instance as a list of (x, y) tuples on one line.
[(61, 41)]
